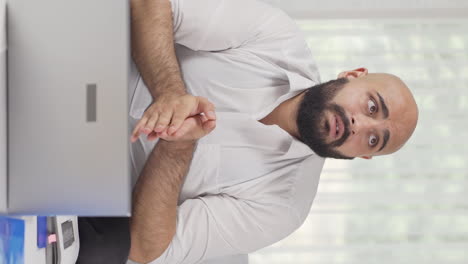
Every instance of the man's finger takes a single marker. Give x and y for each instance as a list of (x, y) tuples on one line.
[(203, 117), (152, 136), (163, 134), (136, 130), (143, 128), (209, 126), (152, 122), (207, 107), (163, 121), (210, 115), (180, 132), (177, 119)]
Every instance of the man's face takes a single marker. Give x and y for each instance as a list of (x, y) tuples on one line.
[(357, 116)]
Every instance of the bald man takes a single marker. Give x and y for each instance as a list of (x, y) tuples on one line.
[(230, 131)]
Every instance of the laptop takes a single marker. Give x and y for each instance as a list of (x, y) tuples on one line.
[(67, 128)]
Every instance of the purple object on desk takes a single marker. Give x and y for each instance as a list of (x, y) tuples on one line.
[(42, 231), (11, 240)]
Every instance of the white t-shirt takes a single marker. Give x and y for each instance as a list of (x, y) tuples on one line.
[(249, 185)]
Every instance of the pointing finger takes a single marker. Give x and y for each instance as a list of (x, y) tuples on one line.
[(136, 130)]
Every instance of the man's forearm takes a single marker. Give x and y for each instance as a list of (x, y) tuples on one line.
[(155, 196), (153, 46)]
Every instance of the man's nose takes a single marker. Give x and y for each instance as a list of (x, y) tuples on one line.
[(363, 123)]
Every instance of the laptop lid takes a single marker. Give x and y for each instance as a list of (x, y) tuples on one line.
[(68, 132)]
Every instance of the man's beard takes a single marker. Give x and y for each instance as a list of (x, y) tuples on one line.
[(311, 120)]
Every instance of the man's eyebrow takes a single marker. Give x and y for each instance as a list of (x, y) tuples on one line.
[(384, 106), (386, 137)]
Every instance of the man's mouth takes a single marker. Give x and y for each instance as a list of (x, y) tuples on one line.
[(336, 127)]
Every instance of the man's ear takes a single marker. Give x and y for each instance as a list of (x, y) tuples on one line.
[(356, 73), (366, 157)]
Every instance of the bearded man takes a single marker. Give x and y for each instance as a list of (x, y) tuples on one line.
[(231, 128)]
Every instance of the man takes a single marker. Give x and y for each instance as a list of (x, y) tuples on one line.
[(206, 192)]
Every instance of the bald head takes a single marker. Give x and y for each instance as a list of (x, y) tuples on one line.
[(397, 104)]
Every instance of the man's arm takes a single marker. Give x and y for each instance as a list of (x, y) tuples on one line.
[(153, 46), (215, 225), (155, 196), (154, 55), (153, 221)]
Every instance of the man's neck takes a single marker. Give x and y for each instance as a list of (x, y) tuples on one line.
[(285, 115)]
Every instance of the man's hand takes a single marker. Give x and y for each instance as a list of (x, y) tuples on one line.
[(192, 129), (168, 113)]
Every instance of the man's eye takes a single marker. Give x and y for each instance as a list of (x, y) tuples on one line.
[(371, 106), (373, 141)]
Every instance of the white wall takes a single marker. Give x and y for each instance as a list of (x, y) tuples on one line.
[(311, 9)]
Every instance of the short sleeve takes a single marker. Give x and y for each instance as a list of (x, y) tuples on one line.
[(221, 225), (214, 25)]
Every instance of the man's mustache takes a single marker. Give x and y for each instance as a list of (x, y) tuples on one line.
[(342, 114)]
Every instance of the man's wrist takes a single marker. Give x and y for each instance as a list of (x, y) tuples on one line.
[(170, 91), (178, 145)]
